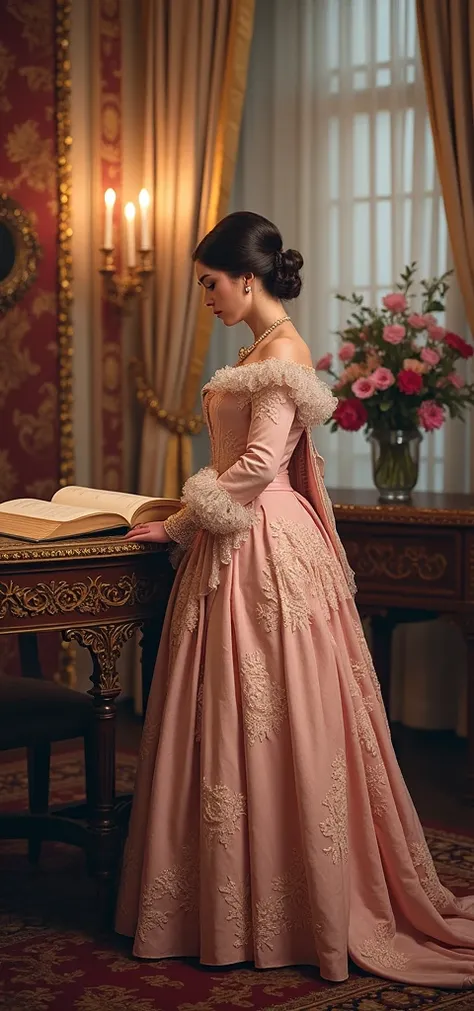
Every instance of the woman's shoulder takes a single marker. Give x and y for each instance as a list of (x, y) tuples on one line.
[(287, 348)]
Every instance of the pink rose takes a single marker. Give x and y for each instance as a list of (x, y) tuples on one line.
[(324, 363), (347, 351), (363, 388), (382, 378), (430, 320), (436, 333), (456, 380), (393, 334), (395, 302), (430, 356), (431, 415), (416, 321)]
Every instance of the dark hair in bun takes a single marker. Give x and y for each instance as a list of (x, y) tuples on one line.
[(246, 243)]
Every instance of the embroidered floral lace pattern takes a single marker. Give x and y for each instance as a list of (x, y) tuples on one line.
[(368, 665), (177, 886), (266, 404), (440, 896), (363, 726), (380, 948), (182, 527), (237, 898), (287, 909), (300, 567), (185, 611), (335, 826), (222, 810), (264, 700), (377, 785)]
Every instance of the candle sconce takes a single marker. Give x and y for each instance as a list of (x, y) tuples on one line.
[(121, 289)]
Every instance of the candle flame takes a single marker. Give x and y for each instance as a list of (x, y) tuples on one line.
[(110, 197), (144, 199), (129, 211)]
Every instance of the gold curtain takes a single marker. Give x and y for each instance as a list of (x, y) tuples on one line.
[(197, 56), (446, 36)]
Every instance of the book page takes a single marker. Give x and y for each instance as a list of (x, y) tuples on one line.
[(38, 509), (122, 503)]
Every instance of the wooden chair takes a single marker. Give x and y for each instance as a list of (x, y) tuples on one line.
[(33, 714)]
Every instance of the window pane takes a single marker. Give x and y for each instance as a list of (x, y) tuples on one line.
[(333, 158), (383, 257), (360, 27), (408, 149), (334, 247), (360, 80), (361, 156), (382, 39), (383, 77), (383, 157), (361, 244)]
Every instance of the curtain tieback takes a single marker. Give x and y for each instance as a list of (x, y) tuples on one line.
[(176, 424)]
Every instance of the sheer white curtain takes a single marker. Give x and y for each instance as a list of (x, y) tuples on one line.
[(336, 148)]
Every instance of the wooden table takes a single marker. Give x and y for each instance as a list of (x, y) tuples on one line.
[(97, 591), (412, 562)]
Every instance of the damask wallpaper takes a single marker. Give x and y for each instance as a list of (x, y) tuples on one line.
[(35, 333)]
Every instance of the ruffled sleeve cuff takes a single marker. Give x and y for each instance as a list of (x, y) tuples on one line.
[(181, 527), (215, 510)]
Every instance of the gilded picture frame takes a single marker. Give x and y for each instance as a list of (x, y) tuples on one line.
[(20, 252)]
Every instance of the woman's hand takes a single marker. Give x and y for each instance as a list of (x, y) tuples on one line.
[(148, 532)]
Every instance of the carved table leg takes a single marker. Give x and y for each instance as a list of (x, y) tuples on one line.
[(105, 645)]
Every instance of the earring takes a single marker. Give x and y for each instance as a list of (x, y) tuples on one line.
[(247, 289)]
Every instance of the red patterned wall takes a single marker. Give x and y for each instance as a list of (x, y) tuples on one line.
[(29, 410)]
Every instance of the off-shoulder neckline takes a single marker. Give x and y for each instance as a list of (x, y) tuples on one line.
[(271, 358)]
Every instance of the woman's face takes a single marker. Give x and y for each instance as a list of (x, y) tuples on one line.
[(225, 295)]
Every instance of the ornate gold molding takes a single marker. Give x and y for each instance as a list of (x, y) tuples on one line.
[(63, 146), (92, 596), (105, 646), (20, 551), (410, 515), (64, 268), (395, 562), (26, 252)]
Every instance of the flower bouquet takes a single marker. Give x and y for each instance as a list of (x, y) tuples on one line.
[(399, 375)]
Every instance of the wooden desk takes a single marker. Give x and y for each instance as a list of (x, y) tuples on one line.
[(412, 563), (97, 591)]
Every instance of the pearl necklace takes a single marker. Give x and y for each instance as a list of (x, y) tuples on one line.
[(244, 352)]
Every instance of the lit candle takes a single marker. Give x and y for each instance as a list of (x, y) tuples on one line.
[(110, 197), (130, 218), (144, 201)]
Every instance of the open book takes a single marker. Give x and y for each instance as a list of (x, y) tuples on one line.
[(74, 511)]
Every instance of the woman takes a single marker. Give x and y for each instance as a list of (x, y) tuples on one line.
[(270, 821)]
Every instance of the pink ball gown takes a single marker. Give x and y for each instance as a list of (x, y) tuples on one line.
[(271, 822)]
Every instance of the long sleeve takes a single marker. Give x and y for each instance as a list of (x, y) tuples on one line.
[(222, 504)]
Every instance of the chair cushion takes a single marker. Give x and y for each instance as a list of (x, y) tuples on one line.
[(32, 709)]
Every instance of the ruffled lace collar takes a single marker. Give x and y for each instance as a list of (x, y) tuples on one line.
[(314, 400)]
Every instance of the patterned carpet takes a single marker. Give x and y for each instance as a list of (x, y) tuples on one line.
[(54, 957)]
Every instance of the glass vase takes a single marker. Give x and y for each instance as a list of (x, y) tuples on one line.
[(395, 463)]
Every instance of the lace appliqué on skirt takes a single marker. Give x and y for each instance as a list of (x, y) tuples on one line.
[(335, 826), (177, 887), (440, 896), (380, 948), (238, 900), (287, 909), (222, 810), (264, 700), (299, 569)]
